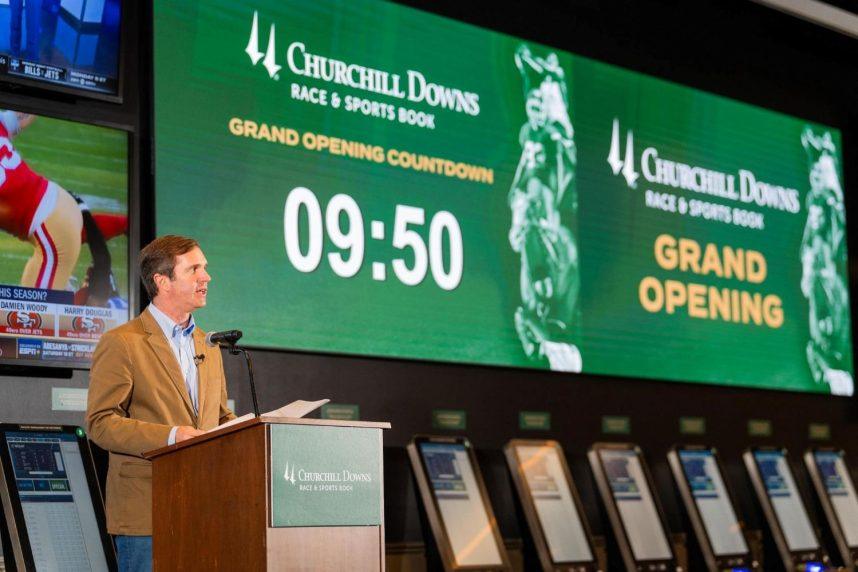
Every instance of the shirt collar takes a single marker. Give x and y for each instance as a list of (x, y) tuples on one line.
[(170, 328)]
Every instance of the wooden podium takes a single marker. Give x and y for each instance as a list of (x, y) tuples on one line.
[(271, 494)]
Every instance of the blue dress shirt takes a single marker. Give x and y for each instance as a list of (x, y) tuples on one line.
[(182, 343)]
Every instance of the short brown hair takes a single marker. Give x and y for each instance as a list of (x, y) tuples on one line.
[(159, 257)]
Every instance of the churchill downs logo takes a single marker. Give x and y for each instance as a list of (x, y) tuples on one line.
[(295, 475), (742, 186), (412, 85)]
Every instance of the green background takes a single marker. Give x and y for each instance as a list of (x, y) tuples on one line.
[(229, 192), (323, 450)]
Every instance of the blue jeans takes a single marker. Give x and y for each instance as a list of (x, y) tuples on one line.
[(134, 553)]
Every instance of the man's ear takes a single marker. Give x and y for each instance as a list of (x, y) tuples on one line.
[(162, 282)]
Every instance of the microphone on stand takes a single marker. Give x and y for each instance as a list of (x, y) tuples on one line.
[(227, 338)]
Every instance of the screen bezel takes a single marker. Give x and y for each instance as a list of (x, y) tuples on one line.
[(49, 86), (529, 505), (132, 203), (433, 510), (617, 523), (790, 557), (714, 561), (11, 502), (848, 553)]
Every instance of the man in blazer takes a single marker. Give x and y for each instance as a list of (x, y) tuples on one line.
[(153, 383)]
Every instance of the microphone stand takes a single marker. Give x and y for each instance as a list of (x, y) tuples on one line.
[(233, 350)]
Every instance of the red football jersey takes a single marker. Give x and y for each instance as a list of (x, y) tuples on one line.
[(21, 189)]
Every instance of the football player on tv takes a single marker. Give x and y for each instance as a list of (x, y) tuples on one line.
[(43, 213)]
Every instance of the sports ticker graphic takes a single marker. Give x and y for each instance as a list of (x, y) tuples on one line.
[(370, 179)]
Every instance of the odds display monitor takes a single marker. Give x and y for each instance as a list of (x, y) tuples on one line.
[(456, 502), (704, 492), (551, 505), (836, 492), (784, 508), (64, 245), (51, 501), (370, 179), (67, 45), (635, 514)]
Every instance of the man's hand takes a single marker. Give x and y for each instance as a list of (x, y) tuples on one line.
[(185, 432)]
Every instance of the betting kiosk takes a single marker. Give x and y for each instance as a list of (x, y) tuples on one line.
[(710, 507), (52, 501), (625, 485), (836, 491), (551, 505), (457, 505), (785, 511)]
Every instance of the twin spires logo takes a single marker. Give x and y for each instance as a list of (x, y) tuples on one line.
[(627, 164), (289, 475), (252, 48)]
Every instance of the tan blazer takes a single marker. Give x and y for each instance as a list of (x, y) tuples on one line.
[(137, 394)]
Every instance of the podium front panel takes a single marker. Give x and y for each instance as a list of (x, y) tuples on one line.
[(325, 476)]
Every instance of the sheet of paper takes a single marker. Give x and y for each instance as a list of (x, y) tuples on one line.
[(296, 409)]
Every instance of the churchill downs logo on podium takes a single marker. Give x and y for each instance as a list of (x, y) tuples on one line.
[(323, 481), (327, 476)]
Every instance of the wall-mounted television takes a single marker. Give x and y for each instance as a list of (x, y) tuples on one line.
[(66, 45), (64, 240)]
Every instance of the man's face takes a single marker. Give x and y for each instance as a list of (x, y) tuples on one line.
[(188, 288)]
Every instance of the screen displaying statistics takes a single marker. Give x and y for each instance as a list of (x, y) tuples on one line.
[(841, 491), (636, 505), (371, 179), (787, 504), (64, 245), (555, 507), (713, 502), (464, 516), (51, 481)]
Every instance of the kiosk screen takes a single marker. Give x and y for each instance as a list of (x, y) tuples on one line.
[(841, 492), (460, 503), (555, 507), (54, 494), (786, 502), (713, 502), (635, 504)]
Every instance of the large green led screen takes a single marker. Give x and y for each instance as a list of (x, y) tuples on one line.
[(370, 179)]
